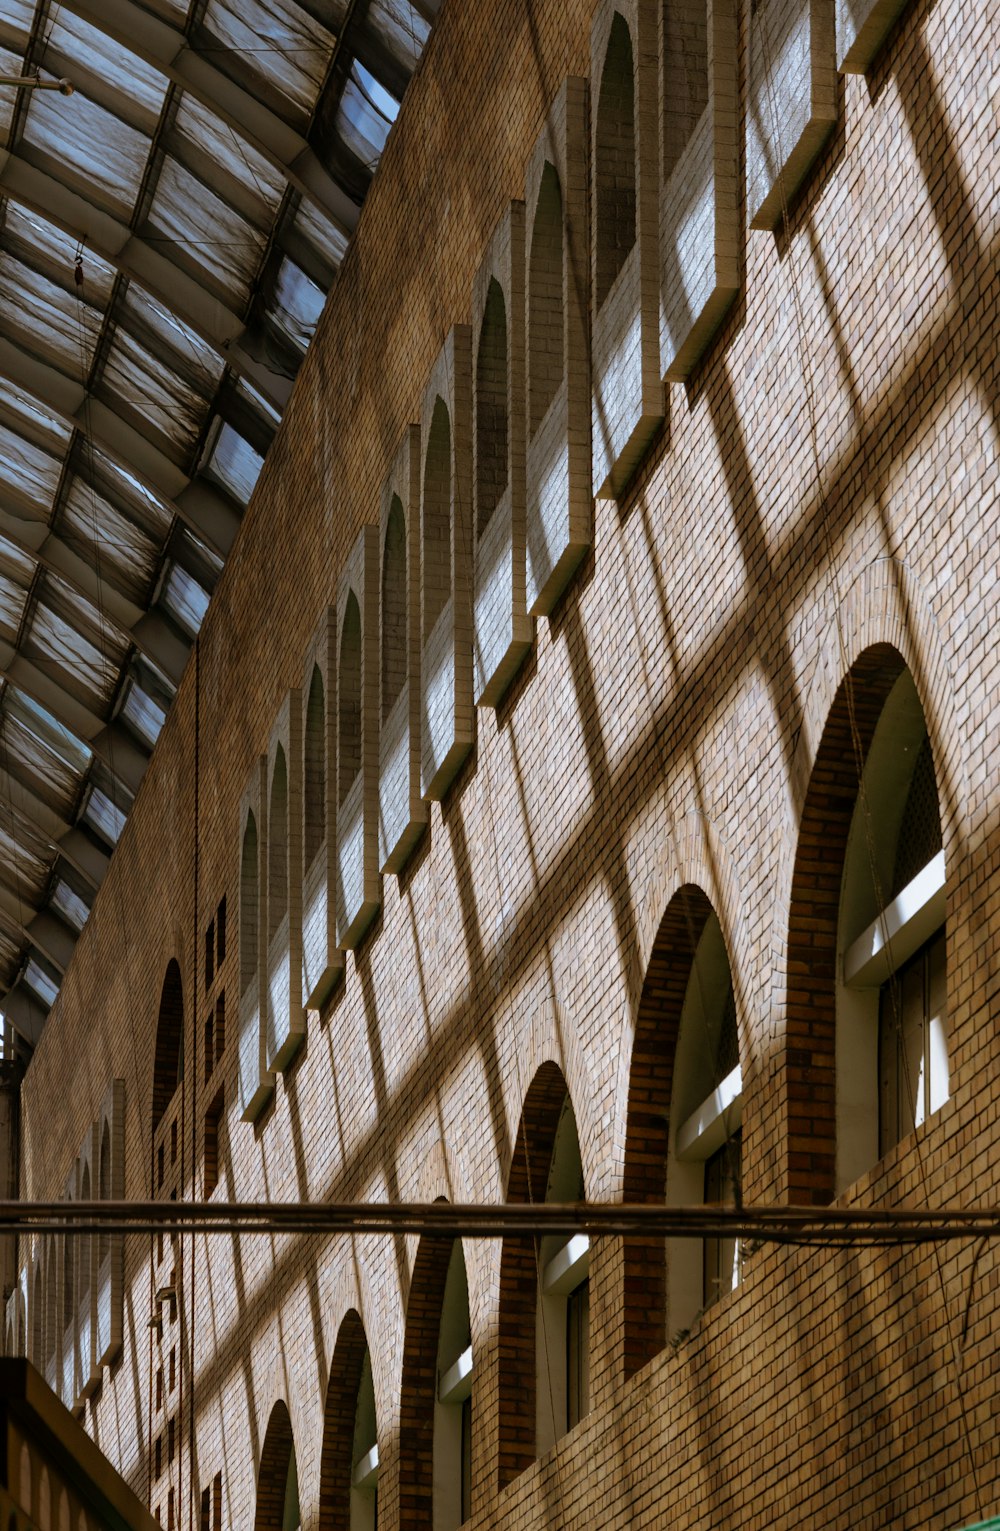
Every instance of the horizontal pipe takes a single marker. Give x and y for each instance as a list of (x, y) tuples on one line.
[(518, 1219), (31, 82)]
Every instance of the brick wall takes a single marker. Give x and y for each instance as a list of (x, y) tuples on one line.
[(822, 496)]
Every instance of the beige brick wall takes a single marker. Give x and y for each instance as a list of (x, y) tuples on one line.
[(827, 483)]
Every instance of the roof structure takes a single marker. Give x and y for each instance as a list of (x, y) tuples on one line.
[(168, 234)]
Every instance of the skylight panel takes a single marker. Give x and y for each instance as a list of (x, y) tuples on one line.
[(400, 28), (113, 545), (27, 474), (87, 148), (10, 64), (297, 304), (39, 982), (13, 598), (46, 320), (45, 246), (143, 386), (34, 419), (184, 599), (234, 464), (207, 139), (103, 816), (47, 730), (142, 713), (208, 236), (69, 905), (16, 19), (361, 122), (131, 495), (278, 41), (87, 670), (139, 87)]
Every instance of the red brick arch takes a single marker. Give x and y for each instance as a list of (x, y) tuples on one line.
[(339, 1415), (808, 1079), (418, 1387), (646, 1125), (528, 1179), (273, 1473)]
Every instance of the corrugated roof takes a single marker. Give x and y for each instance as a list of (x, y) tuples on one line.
[(168, 234)]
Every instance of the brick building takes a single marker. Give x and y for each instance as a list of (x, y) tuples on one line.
[(580, 788)]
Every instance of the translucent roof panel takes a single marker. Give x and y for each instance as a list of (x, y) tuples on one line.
[(274, 44), (88, 148), (161, 279), (117, 549), (210, 239), (46, 320), (251, 182), (29, 476), (134, 90)]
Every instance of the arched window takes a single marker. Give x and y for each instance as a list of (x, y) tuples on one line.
[(614, 166), (437, 519), (866, 1058), (891, 1004), (314, 795), (104, 1191), (37, 1352), (277, 847), (349, 1466), (349, 700), (682, 1137), (249, 910), (168, 1057), (546, 316), (492, 424), (51, 1316), (393, 608), (436, 1465), (544, 1290), (277, 1480)]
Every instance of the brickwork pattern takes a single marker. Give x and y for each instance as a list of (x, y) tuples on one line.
[(828, 484)]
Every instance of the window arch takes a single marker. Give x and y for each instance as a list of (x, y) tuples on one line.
[(37, 1352), (393, 608), (544, 1290), (51, 1316), (277, 1479), (104, 1191), (349, 1465), (437, 518), (866, 934), (614, 163), (314, 794), (492, 422), (546, 315), (249, 908), (349, 700), (277, 846), (436, 1464), (168, 1057)]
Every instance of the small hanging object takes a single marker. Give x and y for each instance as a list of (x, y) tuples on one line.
[(78, 269)]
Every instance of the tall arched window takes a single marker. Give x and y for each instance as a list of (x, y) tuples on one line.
[(614, 167), (349, 700), (866, 1033), (249, 909), (277, 847), (436, 1463), (52, 1330), (393, 609), (492, 424), (546, 316), (314, 794), (544, 1288), (437, 519), (168, 1056), (350, 1463), (682, 1136), (104, 1184)]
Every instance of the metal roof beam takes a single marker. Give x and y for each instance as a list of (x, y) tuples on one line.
[(84, 855), (202, 508), (114, 242), (53, 938), (167, 49)]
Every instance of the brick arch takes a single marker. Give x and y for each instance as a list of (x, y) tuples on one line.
[(419, 1382), (808, 1046), (553, 1040), (527, 1181), (339, 1413), (168, 1057), (272, 1474), (647, 1129)]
